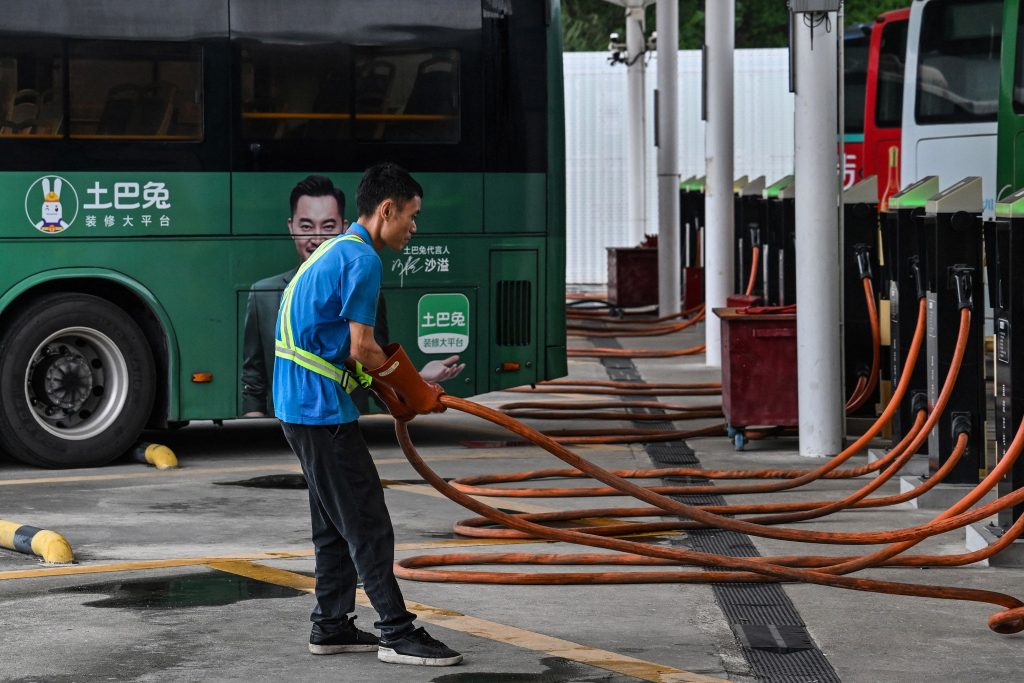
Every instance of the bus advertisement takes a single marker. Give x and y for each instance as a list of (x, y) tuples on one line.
[(147, 153)]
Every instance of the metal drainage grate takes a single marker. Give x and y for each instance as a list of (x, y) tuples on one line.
[(772, 637)]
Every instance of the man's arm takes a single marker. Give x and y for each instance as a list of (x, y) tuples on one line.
[(363, 347)]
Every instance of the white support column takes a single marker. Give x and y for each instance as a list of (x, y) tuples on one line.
[(719, 32), (818, 291), (669, 259), (637, 157)]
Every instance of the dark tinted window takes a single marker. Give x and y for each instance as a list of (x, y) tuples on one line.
[(892, 58), (407, 96), (31, 89), (326, 93), (116, 89), (290, 93), (958, 67), (150, 91), (855, 80)]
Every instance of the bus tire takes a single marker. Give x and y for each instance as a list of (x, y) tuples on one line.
[(77, 382)]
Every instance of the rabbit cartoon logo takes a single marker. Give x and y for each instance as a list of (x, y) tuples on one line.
[(57, 205)]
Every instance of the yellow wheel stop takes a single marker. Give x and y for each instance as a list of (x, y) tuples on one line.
[(155, 454), (48, 545)]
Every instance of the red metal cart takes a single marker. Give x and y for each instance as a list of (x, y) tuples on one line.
[(758, 369)]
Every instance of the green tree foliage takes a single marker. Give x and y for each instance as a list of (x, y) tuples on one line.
[(759, 23)]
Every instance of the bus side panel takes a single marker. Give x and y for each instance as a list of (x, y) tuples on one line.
[(515, 202), (555, 364), (515, 339), (452, 202), (128, 204), (1009, 177), (439, 322), (942, 146), (195, 280), (879, 139), (956, 157)]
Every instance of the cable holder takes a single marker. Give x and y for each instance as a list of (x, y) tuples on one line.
[(863, 253), (961, 424), (919, 403), (915, 269), (961, 278)]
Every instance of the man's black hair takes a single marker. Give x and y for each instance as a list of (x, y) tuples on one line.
[(317, 186), (385, 181)]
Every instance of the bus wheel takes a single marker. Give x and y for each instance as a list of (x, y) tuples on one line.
[(77, 382)]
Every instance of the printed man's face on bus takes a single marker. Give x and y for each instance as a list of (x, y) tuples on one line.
[(400, 223), (316, 220)]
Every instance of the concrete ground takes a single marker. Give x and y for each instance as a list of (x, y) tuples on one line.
[(181, 578)]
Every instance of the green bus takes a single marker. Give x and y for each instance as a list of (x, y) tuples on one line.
[(1010, 145), (147, 151)]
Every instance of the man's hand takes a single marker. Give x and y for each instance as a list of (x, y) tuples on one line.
[(254, 413), (442, 370)]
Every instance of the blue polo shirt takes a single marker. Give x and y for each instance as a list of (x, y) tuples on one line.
[(340, 286)]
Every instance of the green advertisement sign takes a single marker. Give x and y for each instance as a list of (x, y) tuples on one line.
[(442, 323), (114, 204)]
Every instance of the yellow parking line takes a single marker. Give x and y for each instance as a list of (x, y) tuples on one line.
[(290, 467), (482, 628), (142, 565)]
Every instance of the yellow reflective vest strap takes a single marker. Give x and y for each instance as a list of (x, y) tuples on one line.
[(285, 346)]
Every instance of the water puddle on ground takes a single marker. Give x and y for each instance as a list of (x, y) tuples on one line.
[(270, 481), (557, 671), (213, 589)]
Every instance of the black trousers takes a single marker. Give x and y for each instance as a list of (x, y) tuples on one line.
[(352, 530)]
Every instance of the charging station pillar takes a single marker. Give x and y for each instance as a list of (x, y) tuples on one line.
[(719, 40), (773, 242), (1004, 250), (952, 264), (903, 243), (691, 213), (860, 258), (749, 231)]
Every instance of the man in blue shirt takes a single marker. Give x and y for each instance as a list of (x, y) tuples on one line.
[(326, 317), (265, 300)]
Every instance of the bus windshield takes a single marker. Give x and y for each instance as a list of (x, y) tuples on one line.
[(855, 80), (891, 62), (958, 68)]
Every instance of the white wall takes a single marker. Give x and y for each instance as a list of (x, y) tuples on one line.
[(595, 136)]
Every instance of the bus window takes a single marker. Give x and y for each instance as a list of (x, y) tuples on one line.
[(891, 61), (855, 80), (129, 90), (31, 89), (294, 93), (407, 96), (958, 70)]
